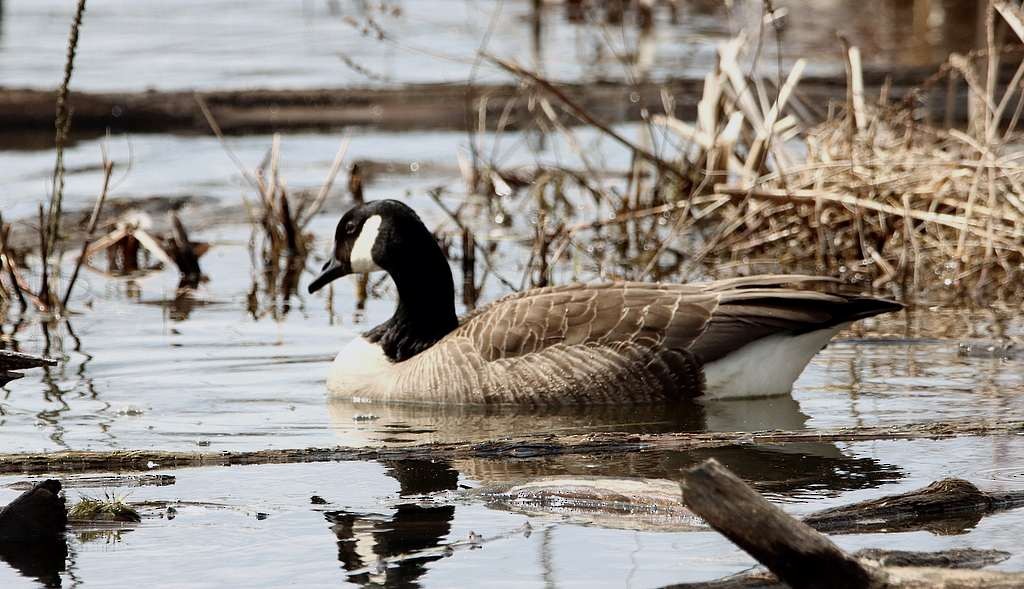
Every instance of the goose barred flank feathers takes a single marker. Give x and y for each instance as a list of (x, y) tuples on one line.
[(622, 342)]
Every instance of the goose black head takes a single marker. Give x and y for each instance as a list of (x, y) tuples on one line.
[(377, 235)]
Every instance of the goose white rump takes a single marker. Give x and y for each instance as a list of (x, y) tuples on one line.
[(766, 367)]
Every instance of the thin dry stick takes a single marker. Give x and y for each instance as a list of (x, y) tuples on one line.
[(586, 117), (8, 262), (436, 196), (215, 127), (325, 188), (108, 169)]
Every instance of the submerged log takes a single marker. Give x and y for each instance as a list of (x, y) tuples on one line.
[(946, 506), (540, 445), (801, 557), (957, 558), (10, 362), (423, 106)]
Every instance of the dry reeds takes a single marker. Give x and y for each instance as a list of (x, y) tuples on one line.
[(285, 241), (873, 192)]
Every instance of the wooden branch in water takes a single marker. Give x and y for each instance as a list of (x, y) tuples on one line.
[(957, 558), (519, 447), (937, 507), (792, 550), (421, 106), (185, 254), (802, 558)]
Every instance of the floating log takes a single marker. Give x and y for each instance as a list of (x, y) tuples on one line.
[(422, 106), (946, 506), (803, 558), (598, 443), (957, 558), (10, 362)]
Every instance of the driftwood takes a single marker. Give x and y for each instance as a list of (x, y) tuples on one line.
[(521, 447), (802, 558), (792, 550), (946, 506), (10, 362), (957, 558), (949, 506), (412, 106)]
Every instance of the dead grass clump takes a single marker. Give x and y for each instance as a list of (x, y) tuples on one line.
[(756, 183), (109, 508)]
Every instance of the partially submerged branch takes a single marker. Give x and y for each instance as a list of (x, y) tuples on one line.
[(803, 558), (792, 550), (938, 507), (519, 447)]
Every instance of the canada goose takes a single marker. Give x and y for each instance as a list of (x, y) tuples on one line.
[(621, 342)]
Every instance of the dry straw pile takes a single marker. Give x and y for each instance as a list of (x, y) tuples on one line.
[(872, 191)]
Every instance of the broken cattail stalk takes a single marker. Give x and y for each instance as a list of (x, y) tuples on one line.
[(63, 125), (542, 246), (303, 216), (44, 296), (185, 254)]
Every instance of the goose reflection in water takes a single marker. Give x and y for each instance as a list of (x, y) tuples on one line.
[(367, 540), (791, 468)]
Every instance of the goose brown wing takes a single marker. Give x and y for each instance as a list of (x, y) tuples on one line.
[(619, 342), (639, 314)]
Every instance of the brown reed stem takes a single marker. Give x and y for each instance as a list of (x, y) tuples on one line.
[(108, 169), (62, 125)]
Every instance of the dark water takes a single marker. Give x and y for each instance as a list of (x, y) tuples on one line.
[(228, 369)]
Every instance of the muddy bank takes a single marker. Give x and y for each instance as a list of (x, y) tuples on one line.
[(420, 106)]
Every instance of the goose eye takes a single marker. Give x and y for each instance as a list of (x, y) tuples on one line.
[(350, 227)]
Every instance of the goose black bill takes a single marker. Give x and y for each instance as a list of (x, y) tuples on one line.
[(331, 271)]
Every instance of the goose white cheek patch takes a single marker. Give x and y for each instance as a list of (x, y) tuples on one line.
[(361, 258)]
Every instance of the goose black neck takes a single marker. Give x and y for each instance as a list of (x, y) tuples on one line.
[(426, 301)]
